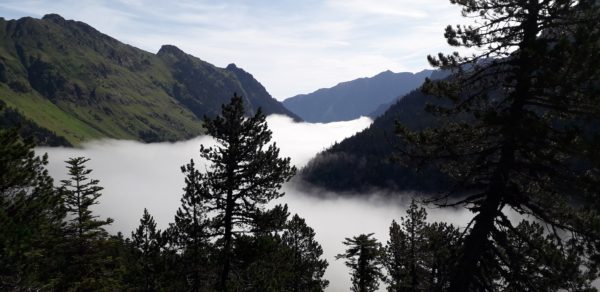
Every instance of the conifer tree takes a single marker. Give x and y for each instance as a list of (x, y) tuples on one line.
[(535, 260), (190, 229), (363, 259), (417, 255), (414, 225), (262, 263), (442, 245), (519, 123), (394, 259), (86, 236), (245, 172), (307, 266), (31, 217), (147, 243)]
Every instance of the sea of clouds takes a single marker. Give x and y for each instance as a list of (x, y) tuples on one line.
[(137, 176)]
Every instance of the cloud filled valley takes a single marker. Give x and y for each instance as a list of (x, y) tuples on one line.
[(137, 176)]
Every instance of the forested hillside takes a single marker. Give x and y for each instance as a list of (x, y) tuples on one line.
[(365, 161)]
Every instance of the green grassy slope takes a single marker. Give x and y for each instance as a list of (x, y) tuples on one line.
[(81, 84)]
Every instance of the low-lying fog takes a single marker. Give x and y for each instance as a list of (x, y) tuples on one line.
[(137, 176)]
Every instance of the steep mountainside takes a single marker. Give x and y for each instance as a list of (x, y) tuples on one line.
[(352, 99), (364, 161), (79, 84)]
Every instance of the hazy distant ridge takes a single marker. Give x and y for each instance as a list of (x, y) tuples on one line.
[(352, 99)]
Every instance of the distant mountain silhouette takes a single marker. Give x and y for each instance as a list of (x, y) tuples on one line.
[(352, 99), (69, 83)]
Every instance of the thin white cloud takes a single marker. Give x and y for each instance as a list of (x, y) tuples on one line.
[(380, 8)]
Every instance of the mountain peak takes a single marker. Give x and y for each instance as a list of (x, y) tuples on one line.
[(54, 18), (172, 50), (232, 66)]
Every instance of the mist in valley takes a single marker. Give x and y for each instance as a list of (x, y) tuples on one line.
[(137, 176)]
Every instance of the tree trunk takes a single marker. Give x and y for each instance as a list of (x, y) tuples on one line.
[(227, 238), (484, 221)]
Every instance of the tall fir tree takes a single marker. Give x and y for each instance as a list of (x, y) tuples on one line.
[(147, 243), (245, 172), (363, 257), (191, 229), (31, 218), (519, 123), (307, 266), (394, 260), (87, 265), (418, 254)]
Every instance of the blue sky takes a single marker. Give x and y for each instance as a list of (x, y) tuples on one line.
[(291, 47)]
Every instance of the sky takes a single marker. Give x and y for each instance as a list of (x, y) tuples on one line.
[(291, 47)]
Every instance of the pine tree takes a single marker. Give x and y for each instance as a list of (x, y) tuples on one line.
[(363, 259), (519, 125), (394, 259), (147, 243), (262, 263), (417, 255), (414, 225), (307, 266), (538, 261), (31, 217), (442, 245), (245, 172), (190, 229), (86, 236)]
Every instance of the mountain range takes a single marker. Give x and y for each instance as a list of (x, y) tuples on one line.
[(68, 83), (353, 99)]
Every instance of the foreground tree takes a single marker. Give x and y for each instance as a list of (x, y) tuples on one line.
[(418, 255), (245, 172), (87, 265), (363, 259), (31, 218), (307, 266), (147, 243), (190, 231), (519, 126)]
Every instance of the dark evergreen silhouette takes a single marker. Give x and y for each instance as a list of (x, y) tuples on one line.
[(31, 218), (191, 229), (419, 255), (306, 264), (147, 243), (363, 258), (406, 251), (245, 172), (87, 267), (517, 132)]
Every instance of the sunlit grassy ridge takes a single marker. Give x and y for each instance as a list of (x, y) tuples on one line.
[(81, 84)]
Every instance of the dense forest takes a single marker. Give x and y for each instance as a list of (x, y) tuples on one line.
[(514, 129), (365, 162)]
